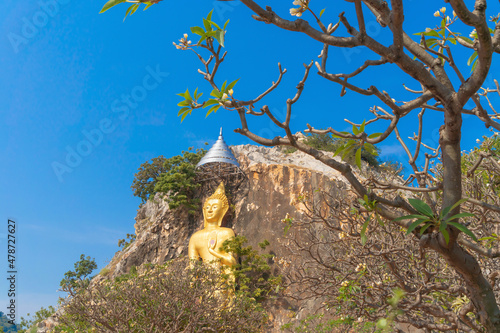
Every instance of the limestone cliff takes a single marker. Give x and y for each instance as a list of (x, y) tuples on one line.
[(274, 180)]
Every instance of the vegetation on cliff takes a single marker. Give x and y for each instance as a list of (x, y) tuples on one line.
[(177, 296), (173, 176)]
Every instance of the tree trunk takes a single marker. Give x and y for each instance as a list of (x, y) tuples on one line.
[(479, 290)]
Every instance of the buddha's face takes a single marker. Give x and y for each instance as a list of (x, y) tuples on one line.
[(213, 210)]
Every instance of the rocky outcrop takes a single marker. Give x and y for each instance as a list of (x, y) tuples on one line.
[(274, 180)]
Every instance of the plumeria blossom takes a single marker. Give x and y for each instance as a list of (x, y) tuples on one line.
[(304, 4), (184, 43)]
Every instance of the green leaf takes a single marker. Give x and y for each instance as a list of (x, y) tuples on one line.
[(134, 9), (181, 111), (219, 36), (431, 33), (127, 12), (183, 103), (358, 158), (413, 226), (339, 149), (442, 226), (355, 130), (223, 88), (232, 84), (468, 40), (374, 135), (430, 42), (363, 231), (209, 16), (486, 238), (452, 40), (184, 115), (362, 128), (413, 216), (321, 12), (370, 149), (198, 31), (215, 25), (474, 65), (187, 95), (207, 24), (425, 227), (109, 4), (216, 93), (213, 109), (347, 151), (446, 235), (471, 58), (421, 207), (210, 102), (463, 229), (225, 24), (148, 4), (459, 215), (445, 211)]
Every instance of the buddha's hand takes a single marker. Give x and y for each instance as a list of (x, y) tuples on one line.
[(211, 243), (212, 240)]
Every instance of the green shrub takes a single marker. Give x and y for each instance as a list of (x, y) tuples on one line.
[(29, 325), (252, 272), (145, 179), (79, 278), (179, 180), (328, 143), (173, 297), (124, 244), (174, 176)]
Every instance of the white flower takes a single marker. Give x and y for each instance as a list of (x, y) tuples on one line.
[(478, 141), (345, 283), (224, 96), (454, 14), (428, 29), (296, 12), (184, 43), (437, 14), (361, 267), (443, 10), (230, 92)]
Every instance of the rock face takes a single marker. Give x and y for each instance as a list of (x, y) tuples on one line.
[(275, 179)]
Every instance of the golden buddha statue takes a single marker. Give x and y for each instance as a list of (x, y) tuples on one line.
[(207, 243)]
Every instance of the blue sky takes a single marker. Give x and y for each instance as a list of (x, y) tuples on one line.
[(68, 73)]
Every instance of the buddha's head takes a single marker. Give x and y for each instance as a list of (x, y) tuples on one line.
[(216, 206)]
